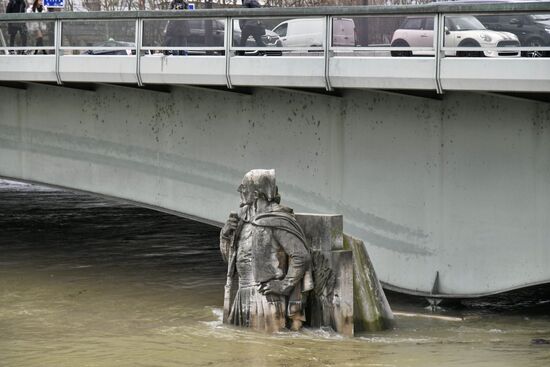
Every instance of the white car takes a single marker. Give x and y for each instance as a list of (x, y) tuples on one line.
[(460, 31), (309, 32)]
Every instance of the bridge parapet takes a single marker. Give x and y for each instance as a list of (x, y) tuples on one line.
[(437, 47)]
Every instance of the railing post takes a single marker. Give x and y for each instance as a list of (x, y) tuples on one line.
[(57, 44), (227, 46), (139, 39), (4, 44), (327, 51), (439, 53)]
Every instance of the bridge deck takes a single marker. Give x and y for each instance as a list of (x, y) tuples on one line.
[(453, 188), (81, 47)]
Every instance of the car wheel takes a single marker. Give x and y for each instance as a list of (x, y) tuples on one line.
[(535, 42), (469, 53), (400, 43)]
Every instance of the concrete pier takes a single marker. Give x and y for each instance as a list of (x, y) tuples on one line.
[(457, 185)]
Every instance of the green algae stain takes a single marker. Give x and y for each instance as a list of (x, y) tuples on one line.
[(371, 310)]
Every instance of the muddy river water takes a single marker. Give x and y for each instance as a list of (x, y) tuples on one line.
[(90, 282)]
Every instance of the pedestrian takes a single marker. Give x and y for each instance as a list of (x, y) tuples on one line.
[(37, 29), (177, 30), (252, 27), (17, 6)]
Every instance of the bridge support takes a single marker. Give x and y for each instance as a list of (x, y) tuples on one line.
[(457, 185)]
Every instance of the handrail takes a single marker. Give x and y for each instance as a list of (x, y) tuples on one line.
[(290, 12), (57, 43), (439, 11), (228, 40), (328, 47), (439, 54), (139, 37)]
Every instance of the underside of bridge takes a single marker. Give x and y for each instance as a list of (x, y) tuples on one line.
[(457, 185)]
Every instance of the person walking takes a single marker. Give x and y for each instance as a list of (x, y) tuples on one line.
[(37, 28), (251, 27), (17, 6), (177, 30)]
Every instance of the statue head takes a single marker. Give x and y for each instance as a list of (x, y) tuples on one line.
[(259, 184)]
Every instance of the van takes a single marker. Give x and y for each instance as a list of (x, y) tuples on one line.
[(343, 32), (309, 32)]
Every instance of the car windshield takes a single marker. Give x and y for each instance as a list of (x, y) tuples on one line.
[(464, 23)]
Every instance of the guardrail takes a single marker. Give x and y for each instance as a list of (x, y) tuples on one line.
[(435, 46)]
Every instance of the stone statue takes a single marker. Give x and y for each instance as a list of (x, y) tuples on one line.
[(269, 263), (283, 267)]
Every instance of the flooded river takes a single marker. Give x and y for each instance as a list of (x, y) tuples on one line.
[(89, 282)]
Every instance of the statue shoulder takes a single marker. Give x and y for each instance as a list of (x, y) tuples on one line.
[(280, 219), (275, 218)]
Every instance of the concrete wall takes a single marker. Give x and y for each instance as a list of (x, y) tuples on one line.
[(460, 186)]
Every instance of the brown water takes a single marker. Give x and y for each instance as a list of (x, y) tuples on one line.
[(85, 282)]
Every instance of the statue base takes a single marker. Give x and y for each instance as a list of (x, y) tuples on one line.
[(347, 295)]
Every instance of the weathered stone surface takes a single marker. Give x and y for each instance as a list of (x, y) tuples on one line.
[(319, 309), (343, 300), (347, 295), (372, 311), (331, 301), (324, 232)]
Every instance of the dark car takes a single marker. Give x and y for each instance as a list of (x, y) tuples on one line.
[(198, 29), (129, 48), (531, 30)]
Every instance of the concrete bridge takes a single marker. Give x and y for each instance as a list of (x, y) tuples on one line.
[(440, 164)]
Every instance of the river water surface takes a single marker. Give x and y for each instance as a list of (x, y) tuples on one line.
[(90, 282)]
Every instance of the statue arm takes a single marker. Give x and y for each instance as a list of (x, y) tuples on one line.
[(227, 235), (225, 247), (298, 262)]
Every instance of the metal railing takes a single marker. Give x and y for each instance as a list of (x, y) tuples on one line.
[(396, 31)]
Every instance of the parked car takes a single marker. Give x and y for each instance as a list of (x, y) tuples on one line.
[(198, 31), (460, 31), (270, 39), (531, 30), (344, 33), (309, 32)]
